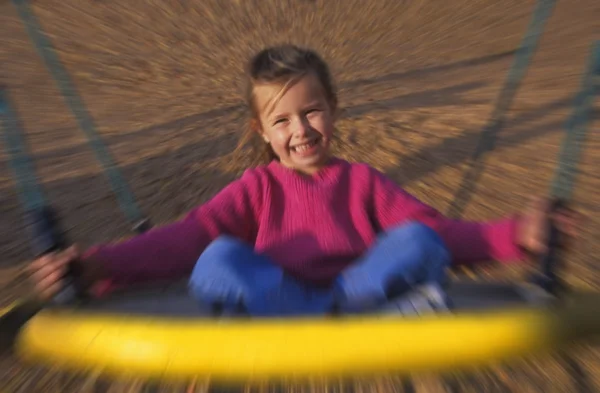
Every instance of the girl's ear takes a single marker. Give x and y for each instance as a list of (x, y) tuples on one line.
[(256, 127)]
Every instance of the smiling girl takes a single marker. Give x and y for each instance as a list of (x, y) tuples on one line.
[(305, 232)]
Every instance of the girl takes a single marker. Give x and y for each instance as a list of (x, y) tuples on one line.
[(305, 232)]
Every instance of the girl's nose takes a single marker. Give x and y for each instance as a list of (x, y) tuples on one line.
[(301, 127)]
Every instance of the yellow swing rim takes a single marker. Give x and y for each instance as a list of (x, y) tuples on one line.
[(257, 349)]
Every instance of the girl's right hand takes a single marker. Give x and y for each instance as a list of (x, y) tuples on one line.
[(47, 272)]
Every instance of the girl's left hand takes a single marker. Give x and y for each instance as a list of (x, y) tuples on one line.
[(532, 232)]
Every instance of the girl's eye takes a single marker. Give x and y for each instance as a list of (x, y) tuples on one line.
[(279, 121), (312, 110)]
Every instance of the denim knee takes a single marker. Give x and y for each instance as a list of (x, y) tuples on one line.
[(214, 277), (422, 239), (230, 273), (215, 255), (404, 256), (418, 233), (225, 246)]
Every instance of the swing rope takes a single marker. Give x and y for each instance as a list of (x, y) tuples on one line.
[(27, 184), (576, 129), (46, 50), (577, 126), (514, 78)]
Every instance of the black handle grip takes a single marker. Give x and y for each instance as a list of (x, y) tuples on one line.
[(45, 233), (46, 236), (551, 262)]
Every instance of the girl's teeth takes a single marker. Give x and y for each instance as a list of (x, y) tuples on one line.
[(304, 147)]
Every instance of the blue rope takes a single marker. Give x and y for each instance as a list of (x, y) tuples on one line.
[(562, 186), (28, 187), (514, 78), (523, 56), (75, 103)]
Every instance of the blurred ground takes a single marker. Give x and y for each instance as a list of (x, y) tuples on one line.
[(417, 81)]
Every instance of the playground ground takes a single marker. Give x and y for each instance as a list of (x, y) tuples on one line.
[(417, 81)]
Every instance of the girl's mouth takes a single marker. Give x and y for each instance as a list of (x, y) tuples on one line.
[(306, 148)]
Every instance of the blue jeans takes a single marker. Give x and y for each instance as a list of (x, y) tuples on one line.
[(231, 274)]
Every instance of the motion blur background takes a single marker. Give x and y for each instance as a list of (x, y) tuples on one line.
[(417, 80)]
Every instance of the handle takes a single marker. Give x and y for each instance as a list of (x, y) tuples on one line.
[(46, 237), (45, 234), (551, 261)]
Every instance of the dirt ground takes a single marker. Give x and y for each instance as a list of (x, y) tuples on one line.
[(417, 81)]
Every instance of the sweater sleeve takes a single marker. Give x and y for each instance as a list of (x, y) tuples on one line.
[(170, 251), (468, 241)]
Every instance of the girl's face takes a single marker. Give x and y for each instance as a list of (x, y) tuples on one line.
[(299, 126)]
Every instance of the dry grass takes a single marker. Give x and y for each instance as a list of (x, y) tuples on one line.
[(417, 80)]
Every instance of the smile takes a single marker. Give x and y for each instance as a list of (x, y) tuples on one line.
[(305, 146)]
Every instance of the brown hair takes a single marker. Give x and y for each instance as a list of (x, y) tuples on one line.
[(282, 65)]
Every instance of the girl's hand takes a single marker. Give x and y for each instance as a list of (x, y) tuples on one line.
[(47, 273), (532, 233)]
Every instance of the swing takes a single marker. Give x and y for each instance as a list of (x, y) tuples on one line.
[(160, 333)]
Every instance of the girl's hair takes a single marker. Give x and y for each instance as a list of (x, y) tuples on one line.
[(281, 65)]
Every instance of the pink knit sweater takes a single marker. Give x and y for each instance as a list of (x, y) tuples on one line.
[(311, 226)]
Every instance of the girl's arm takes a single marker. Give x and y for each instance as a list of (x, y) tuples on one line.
[(170, 252), (468, 241)]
